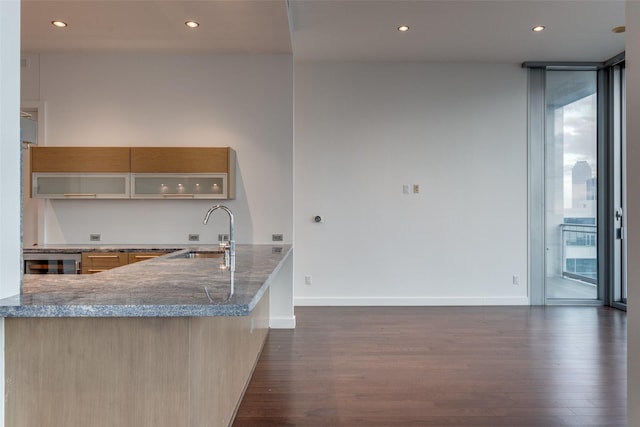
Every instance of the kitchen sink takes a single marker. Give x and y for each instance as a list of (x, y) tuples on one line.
[(200, 254)]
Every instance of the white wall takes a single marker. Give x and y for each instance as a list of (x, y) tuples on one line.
[(362, 130), (10, 245), (633, 209), (173, 100)]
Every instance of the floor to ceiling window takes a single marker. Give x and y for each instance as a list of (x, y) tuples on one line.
[(576, 183), (571, 176)]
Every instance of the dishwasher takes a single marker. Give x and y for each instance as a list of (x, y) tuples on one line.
[(52, 263)]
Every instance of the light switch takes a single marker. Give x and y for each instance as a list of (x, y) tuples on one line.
[(405, 188)]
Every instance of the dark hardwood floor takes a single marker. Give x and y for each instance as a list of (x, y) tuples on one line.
[(442, 366)]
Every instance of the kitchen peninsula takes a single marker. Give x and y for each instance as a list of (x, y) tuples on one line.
[(155, 343)]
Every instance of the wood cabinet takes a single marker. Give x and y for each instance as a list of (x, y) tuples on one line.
[(95, 262), (133, 172), (143, 256), (182, 160), (80, 159), (183, 172), (80, 172)]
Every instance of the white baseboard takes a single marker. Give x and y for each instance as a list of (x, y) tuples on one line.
[(282, 322), (406, 302)]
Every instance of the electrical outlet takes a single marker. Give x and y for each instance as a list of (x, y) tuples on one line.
[(276, 237), (223, 237), (516, 279), (94, 237), (194, 237), (416, 188), (276, 250), (308, 280)]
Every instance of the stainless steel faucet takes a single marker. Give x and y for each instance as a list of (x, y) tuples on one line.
[(230, 249)]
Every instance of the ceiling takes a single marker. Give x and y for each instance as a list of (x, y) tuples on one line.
[(232, 26), (326, 30)]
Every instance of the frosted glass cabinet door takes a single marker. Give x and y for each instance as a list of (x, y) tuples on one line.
[(80, 186), (176, 186)]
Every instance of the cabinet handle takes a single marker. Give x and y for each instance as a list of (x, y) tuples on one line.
[(178, 196), (97, 270), (79, 195), (145, 256), (102, 256)]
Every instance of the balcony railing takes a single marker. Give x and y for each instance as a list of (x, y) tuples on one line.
[(579, 252)]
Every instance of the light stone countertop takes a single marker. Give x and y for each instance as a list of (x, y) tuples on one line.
[(167, 286)]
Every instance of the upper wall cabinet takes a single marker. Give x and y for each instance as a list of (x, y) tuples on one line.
[(133, 172), (80, 159), (80, 172), (183, 172)]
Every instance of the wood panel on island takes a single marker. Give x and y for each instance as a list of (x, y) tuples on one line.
[(133, 172)]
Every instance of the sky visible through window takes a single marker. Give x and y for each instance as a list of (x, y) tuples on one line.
[(578, 131)]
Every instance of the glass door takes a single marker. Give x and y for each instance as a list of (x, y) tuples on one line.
[(570, 189)]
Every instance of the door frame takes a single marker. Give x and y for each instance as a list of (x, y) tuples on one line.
[(614, 189), (536, 182)]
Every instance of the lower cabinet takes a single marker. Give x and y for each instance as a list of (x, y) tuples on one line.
[(142, 256), (95, 262)]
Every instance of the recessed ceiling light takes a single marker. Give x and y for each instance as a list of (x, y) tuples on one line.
[(59, 24), (192, 24), (538, 28), (620, 29), (403, 28)]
